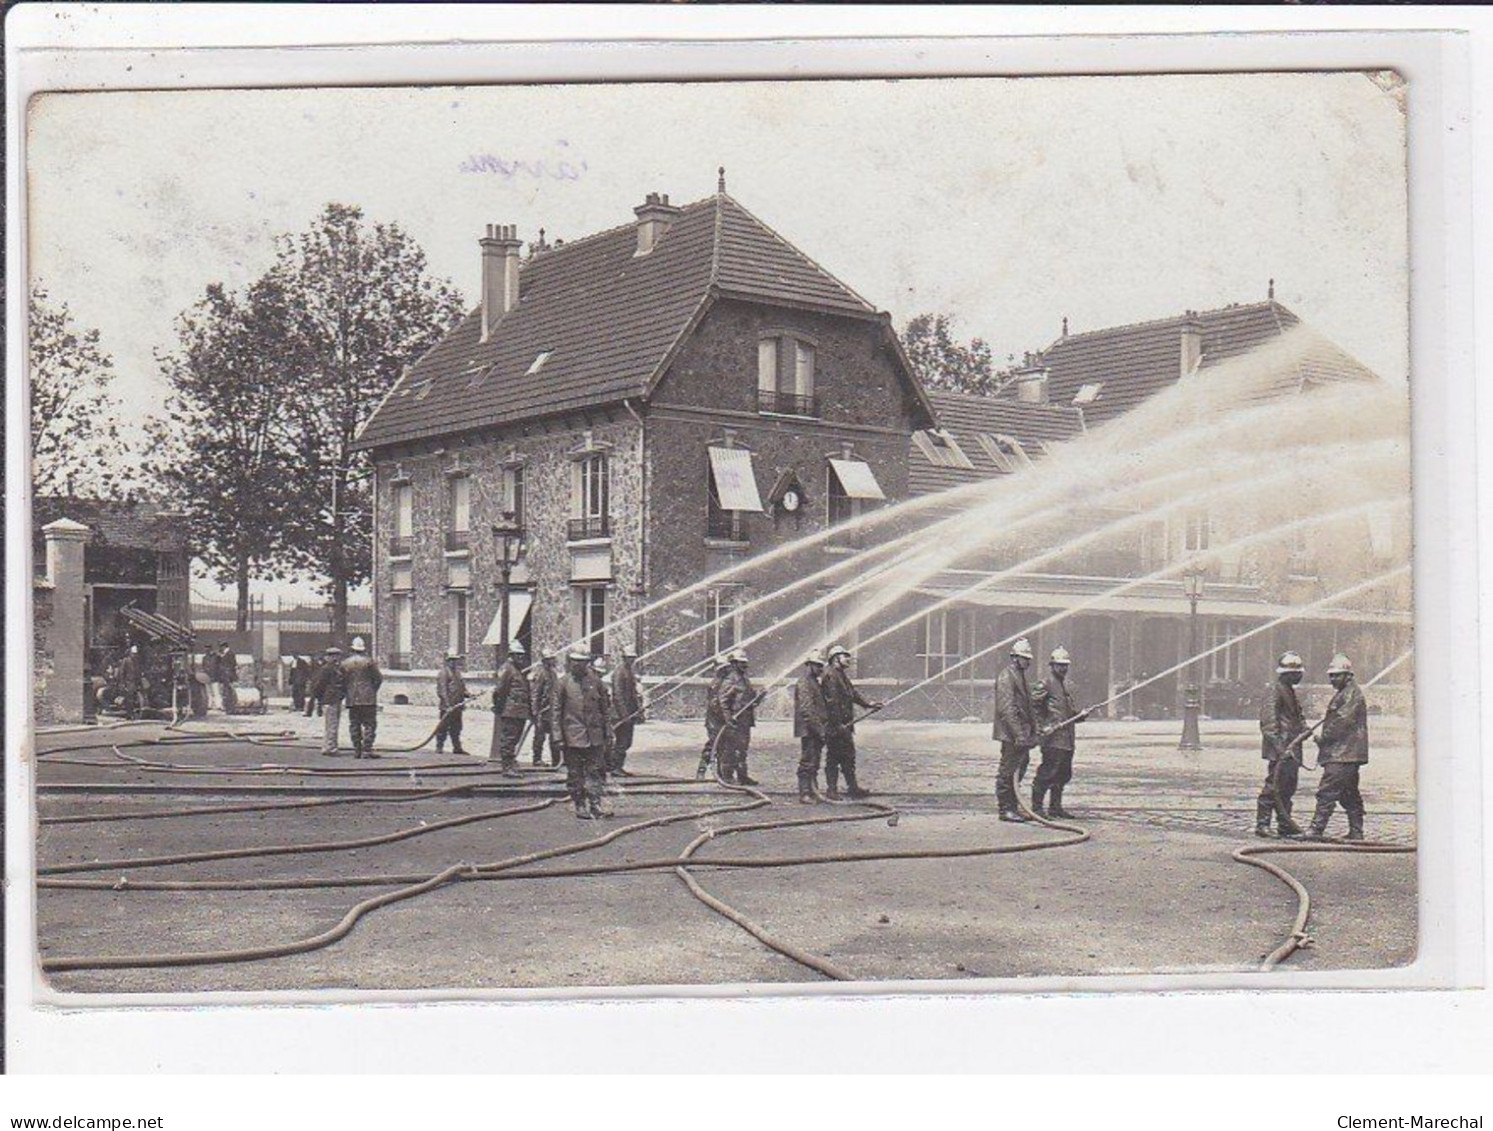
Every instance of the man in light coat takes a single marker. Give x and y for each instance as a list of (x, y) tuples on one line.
[(1015, 728)]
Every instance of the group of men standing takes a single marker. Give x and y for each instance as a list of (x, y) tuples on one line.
[(824, 703), (1043, 715), (346, 681)]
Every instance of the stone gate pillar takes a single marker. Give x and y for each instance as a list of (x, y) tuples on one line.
[(69, 634)]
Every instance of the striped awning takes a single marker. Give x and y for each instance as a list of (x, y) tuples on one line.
[(519, 603), (735, 481), (857, 479)]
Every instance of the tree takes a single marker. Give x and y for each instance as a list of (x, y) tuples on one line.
[(76, 446), (228, 431), (942, 363), (360, 307)]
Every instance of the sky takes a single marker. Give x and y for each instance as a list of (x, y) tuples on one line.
[(1007, 204)]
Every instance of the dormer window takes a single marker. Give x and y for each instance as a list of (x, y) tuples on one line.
[(1004, 451), (785, 375), (941, 449), (539, 363)]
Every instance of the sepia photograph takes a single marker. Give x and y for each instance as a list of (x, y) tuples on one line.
[(940, 533)]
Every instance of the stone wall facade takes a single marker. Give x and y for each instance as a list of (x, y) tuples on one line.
[(47, 710)]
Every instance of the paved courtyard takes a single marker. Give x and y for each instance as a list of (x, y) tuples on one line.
[(1154, 889)]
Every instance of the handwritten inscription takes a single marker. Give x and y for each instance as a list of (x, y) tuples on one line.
[(512, 168)]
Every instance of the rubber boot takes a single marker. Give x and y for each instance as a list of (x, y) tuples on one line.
[(742, 777), (806, 795), (832, 784), (582, 810), (1055, 805), (704, 765), (1037, 806), (1289, 827), (1355, 826), (599, 810), (1262, 818), (853, 788)]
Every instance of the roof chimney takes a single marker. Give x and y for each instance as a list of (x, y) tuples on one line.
[(654, 215), (499, 274), (1031, 380), (1191, 355)]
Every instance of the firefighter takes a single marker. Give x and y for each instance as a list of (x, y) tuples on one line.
[(1057, 715), (328, 687), (300, 676), (511, 704), (627, 709), (739, 701), (1281, 729), (361, 680), (1343, 746), (451, 699), (132, 683), (1015, 728), (840, 701), (581, 725), (226, 673), (810, 717), (608, 712), (714, 718), (543, 704)]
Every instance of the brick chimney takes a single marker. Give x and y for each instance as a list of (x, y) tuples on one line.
[(654, 215), (1030, 379), (500, 249), (1191, 353)]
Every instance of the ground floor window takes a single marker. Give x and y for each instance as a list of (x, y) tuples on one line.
[(404, 631), (943, 640), (591, 603), (457, 622), (723, 620), (1227, 664)]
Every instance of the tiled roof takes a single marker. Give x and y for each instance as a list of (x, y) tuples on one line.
[(139, 525), (1136, 361), (608, 318), (965, 416)]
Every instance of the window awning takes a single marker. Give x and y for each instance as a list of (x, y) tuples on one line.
[(857, 479), (735, 481), (519, 603)]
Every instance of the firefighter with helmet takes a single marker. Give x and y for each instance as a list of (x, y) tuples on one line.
[(738, 699), (1343, 746), (1281, 731), (840, 700), (1057, 715), (1015, 728)]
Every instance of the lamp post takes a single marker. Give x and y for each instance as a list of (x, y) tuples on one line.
[(508, 543), (1192, 702)]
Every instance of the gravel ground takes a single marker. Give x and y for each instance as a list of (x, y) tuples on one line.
[(1153, 890)]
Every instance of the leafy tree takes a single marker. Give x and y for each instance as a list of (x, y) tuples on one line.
[(76, 446), (940, 362), (360, 306), (227, 439)]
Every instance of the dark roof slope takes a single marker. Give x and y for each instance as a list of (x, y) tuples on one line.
[(139, 525), (1137, 361), (965, 416), (609, 320)]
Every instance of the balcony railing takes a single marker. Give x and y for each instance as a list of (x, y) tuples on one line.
[(399, 661), (726, 526), (458, 539), (400, 544), (789, 404), (593, 526)]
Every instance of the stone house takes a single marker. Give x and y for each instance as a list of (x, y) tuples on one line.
[(652, 405)]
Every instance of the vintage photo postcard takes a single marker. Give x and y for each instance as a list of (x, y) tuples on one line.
[(580, 538)]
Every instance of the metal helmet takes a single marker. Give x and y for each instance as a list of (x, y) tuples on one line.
[(1022, 648), (1060, 656), (838, 650), (452, 654), (517, 648), (359, 644), (629, 652), (1289, 662), (333, 651), (738, 657), (815, 657), (548, 654), (722, 663), (579, 655), (1340, 665)]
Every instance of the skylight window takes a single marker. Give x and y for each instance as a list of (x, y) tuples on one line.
[(941, 449), (1005, 452), (1087, 394), (539, 363)]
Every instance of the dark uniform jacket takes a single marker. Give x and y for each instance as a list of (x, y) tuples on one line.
[(1052, 703), (300, 674), (1345, 729), (227, 667), (840, 701), (1280, 722), (626, 703), (450, 688), (510, 693), (580, 717), (361, 679), (328, 685), (129, 673), (1015, 720), (810, 711), (542, 697), (738, 700), (715, 718)]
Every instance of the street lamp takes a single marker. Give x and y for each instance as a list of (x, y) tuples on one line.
[(1192, 703), (508, 542)]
